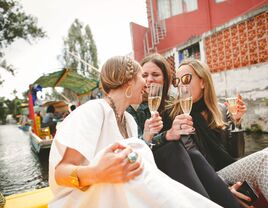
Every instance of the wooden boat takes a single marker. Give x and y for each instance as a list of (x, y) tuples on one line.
[(68, 79), (39, 145), (38, 198)]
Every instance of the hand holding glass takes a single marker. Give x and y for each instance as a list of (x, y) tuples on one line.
[(232, 107), (154, 98)]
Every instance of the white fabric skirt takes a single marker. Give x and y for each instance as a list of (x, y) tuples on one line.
[(150, 189)]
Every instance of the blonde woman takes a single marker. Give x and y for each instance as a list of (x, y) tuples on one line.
[(94, 162), (212, 137)]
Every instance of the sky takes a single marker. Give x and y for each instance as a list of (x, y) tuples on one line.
[(109, 21)]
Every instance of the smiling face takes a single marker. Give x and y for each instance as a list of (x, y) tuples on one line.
[(196, 84), (138, 87), (152, 74)]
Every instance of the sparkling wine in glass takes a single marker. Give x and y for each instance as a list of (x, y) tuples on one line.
[(154, 97), (232, 107), (186, 100)]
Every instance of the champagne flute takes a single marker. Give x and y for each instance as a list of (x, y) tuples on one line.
[(186, 99), (232, 107), (154, 98)]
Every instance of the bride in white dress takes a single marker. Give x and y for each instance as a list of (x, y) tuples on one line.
[(87, 170)]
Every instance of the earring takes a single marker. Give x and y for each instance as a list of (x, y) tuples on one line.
[(128, 92)]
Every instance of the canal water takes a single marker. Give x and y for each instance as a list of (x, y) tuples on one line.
[(21, 170)]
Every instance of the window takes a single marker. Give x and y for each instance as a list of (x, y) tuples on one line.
[(169, 8), (192, 51)]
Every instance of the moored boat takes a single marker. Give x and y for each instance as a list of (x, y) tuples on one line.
[(41, 138), (38, 143)]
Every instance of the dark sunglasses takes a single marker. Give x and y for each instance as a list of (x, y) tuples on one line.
[(185, 79)]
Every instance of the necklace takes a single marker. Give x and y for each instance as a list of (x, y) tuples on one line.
[(121, 123)]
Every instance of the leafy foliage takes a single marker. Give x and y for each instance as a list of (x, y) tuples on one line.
[(12, 107), (80, 42), (15, 24)]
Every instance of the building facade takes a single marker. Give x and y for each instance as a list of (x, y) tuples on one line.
[(231, 36)]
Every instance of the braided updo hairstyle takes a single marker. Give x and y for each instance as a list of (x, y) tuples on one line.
[(117, 71)]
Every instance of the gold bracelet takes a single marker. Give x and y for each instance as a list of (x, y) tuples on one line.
[(75, 180)]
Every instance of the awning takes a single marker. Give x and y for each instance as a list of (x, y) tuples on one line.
[(59, 105), (68, 79)]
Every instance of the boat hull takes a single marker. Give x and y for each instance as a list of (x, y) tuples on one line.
[(38, 144), (33, 199)]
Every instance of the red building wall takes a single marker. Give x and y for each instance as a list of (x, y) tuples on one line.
[(240, 45), (230, 9), (138, 33), (183, 27)]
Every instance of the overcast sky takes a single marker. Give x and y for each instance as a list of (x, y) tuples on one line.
[(109, 22)]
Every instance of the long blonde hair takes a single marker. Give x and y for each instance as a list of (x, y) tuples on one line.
[(202, 71)]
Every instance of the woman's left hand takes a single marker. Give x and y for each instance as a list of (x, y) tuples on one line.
[(239, 195)]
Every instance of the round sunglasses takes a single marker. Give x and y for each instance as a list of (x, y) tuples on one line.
[(185, 79)]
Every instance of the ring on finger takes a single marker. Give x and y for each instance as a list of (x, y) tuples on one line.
[(132, 157)]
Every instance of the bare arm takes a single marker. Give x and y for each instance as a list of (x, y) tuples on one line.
[(111, 167)]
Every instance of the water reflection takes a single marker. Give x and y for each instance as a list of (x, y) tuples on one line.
[(22, 170), (255, 142)]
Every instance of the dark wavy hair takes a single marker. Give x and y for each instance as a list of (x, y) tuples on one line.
[(162, 63)]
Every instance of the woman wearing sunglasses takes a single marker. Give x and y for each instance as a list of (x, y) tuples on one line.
[(156, 70), (212, 135)]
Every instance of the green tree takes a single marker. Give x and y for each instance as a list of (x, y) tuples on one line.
[(80, 42), (3, 111), (15, 24)]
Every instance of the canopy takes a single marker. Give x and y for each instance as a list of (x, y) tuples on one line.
[(60, 105), (68, 79)]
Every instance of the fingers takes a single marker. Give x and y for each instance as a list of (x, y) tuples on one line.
[(182, 125), (244, 204), (183, 122), (131, 170), (133, 166), (124, 153), (239, 195), (184, 116), (114, 147), (155, 115), (155, 123), (134, 173)]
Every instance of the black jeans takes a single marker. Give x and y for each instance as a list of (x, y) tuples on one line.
[(192, 170)]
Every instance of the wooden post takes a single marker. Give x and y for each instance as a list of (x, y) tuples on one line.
[(31, 110)]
